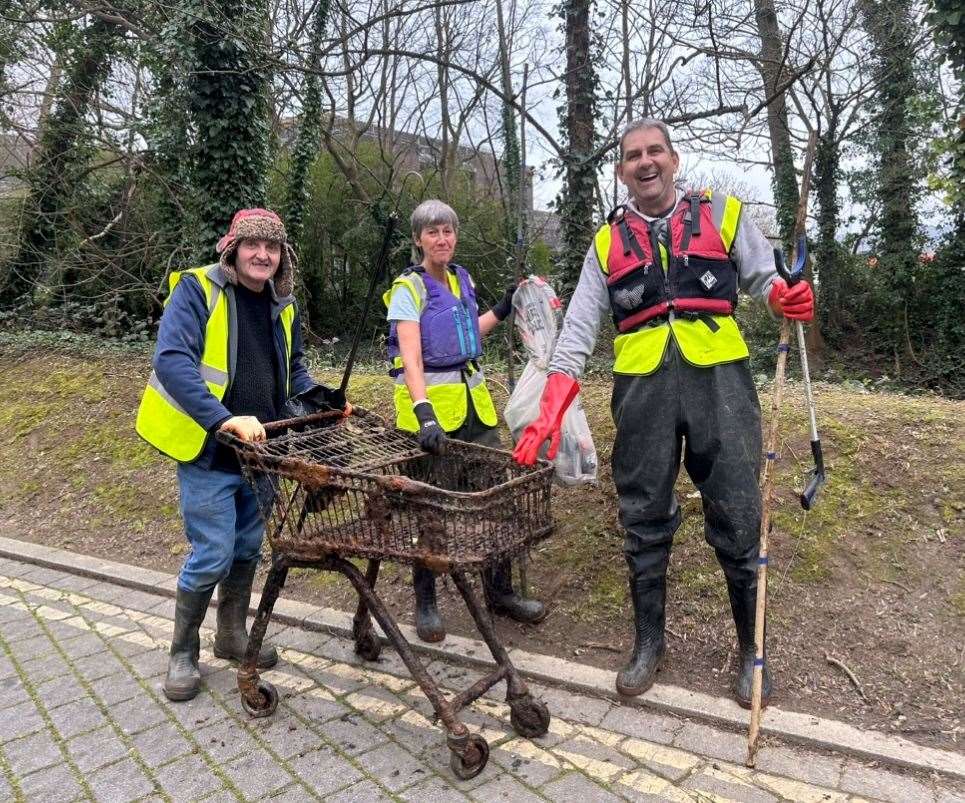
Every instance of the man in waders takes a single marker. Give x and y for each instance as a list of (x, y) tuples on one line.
[(667, 267)]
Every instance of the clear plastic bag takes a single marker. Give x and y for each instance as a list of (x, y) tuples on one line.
[(539, 315)]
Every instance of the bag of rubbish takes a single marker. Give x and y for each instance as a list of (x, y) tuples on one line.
[(538, 318)]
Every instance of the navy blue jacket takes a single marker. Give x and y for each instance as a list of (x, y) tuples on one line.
[(180, 343)]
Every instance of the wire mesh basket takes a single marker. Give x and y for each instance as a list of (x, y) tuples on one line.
[(354, 487)]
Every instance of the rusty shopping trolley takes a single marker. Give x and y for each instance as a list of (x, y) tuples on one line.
[(333, 488)]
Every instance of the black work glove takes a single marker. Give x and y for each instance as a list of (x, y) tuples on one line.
[(314, 400), (504, 306), (432, 437)]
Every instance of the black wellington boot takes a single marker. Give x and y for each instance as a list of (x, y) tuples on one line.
[(506, 601), (183, 681), (428, 623), (234, 597), (649, 595), (742, 590)]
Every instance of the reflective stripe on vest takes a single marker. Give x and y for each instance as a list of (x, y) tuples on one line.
[(161, 421), (446, 390), (641, 352)]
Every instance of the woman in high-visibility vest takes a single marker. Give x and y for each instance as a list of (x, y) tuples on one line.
[(228, 357), (435, 331)]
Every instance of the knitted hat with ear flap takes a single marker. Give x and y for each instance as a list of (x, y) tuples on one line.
[(258, 224)]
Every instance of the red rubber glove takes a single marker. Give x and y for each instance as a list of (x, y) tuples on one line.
[(557, 396), (795, 302)]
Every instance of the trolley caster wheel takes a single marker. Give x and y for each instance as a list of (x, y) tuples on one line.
[(473, 761), (368, 646), (529, 717), (267, 701)]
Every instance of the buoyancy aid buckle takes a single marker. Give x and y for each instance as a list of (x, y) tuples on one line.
[(616, 214)]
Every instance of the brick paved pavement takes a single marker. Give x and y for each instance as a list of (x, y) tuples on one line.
[(82, 717)]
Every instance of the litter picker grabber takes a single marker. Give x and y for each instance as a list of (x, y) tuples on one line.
[(816, 475), (767, 475)]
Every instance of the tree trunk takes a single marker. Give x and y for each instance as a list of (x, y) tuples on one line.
[(309, 133), (827, 161), (578, 196), (228, 92), (61, 156), (771, 67), (511, 162), (888, 25), (442, 75)]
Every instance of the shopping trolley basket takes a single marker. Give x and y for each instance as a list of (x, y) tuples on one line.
[(332, 488)]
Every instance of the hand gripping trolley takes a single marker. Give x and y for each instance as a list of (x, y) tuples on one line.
[(333, 488)]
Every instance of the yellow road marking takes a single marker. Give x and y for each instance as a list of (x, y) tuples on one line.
[(659, 754), (602, 770), (650, 784)]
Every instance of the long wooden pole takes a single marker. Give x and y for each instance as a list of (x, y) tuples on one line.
[(767, 478)]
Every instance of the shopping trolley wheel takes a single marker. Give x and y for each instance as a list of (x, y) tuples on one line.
[(473, 761), (529, 717), (368, 646), (267, 701)]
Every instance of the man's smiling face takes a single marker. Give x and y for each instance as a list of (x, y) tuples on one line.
[(647, 168)]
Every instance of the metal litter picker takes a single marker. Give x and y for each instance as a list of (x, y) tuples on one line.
[(333, 488), (817, 476)]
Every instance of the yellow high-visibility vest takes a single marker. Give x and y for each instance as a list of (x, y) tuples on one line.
[(161, 421)]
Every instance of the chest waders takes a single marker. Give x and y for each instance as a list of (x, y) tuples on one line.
[(680, 357)]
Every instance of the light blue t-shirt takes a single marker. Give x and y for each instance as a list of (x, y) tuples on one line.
[(402, 306)]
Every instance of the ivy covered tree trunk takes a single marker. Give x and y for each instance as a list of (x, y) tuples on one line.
[(784, 180), (309, 131), (227, 94), (167, 131), (889, 25), (303, 157), (948, 25), (827, 255), (577, 201), (512, 170), (64, 151)]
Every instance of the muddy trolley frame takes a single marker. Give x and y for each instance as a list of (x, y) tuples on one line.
[(333, 488)]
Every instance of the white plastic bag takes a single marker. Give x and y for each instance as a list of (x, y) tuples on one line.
[(539, 315)]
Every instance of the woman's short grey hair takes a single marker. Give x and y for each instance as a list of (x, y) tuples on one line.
[(430, 213), (645, 122)]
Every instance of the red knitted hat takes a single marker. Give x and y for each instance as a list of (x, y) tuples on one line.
[(258, 224)]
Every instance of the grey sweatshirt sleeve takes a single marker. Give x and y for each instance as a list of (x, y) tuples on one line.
[(754, 257), (581, 324)]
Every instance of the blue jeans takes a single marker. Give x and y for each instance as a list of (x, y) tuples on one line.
[(222, 524)]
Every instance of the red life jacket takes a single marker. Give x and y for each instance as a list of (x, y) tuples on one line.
[(700, 278)]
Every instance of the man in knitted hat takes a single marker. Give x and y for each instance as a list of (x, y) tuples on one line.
[(229, 357)]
